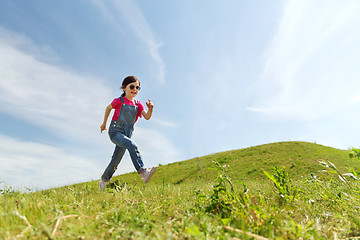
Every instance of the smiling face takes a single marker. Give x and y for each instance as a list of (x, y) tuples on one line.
[(131, 90)]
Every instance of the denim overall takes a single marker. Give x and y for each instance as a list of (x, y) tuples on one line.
[(120, 132)]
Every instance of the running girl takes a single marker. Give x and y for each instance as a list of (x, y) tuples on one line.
[(127, 111)]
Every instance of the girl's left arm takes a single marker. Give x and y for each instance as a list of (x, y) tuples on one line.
[(147, 114)]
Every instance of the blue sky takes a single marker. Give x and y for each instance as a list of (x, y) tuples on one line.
[(222, 76)]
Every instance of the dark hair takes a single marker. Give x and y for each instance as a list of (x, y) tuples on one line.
[(127, 81)]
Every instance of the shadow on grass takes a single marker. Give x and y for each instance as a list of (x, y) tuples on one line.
[(188, 176)]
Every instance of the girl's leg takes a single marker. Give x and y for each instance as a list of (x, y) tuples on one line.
[(124, 142), (115, 160)]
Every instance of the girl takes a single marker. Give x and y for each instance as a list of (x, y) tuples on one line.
[(127, 111)]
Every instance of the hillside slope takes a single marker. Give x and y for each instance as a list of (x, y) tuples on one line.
[(182, 201), (300, 159)]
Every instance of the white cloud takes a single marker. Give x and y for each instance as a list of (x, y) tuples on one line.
[(310, 67), (114, 11), (164, 123), (48, 96), (34, 165), (355, 99)]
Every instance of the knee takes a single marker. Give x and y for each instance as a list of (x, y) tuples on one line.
[(130, 145)]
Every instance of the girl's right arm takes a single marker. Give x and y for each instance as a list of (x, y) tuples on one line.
[(107, 113)]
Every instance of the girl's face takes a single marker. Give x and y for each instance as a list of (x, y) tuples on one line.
[(131, 90)]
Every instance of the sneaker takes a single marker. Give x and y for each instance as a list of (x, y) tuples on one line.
[(102, 184), (146, 174)]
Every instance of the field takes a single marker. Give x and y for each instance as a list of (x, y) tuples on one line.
[(287, 190)]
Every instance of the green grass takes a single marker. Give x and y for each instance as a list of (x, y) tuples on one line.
[(200, 199), (301, 157)]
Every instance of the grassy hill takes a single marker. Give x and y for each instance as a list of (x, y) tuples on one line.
[(300, 158), (195, 200)]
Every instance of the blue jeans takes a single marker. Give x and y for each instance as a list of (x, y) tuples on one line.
[(122, 143)]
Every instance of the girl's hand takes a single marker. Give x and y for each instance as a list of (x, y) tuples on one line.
[(147, 114), (103, 127), (150, 105)]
